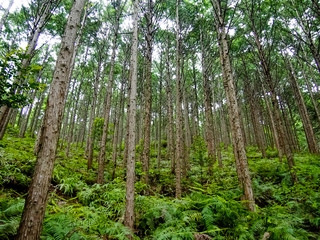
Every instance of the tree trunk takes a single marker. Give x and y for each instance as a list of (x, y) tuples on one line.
[(234, 116), (93, 115), (208, 105), (283, 143), (35, 205), (107, 104), (37, 114), (117, 126), (196, 105), (314, 102), (24, 124), (73, 117), (307, 125), (170, 129), (129, 217), (252, 99), (147, 93), (179, 133), (65, 125), (160, 115)]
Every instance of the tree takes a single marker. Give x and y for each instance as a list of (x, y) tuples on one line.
[(118, 7), (237, 138), (179, 132), (35, 205), (129, 212)]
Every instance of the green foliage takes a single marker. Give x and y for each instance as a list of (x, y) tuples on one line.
[(15, 80), (199, 149), (16, 162), (10, 214), (80, 209), (97, 128)]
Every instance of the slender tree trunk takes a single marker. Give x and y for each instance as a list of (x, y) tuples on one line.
[(107, 104), (217, 138), (147, 93), (185, 123), (35, 205), (170, 129), (234, 116), (252, 99), (196, 105), (24, 124), (307, 125), (129, 217), (283, 143), (115, 136), (160, 116), (93, 115), (37, 115), (187, 135), (65, 125), (292, 121), (117, 127), (85, 120), (179, 133), (73, 117), (273, 125), (287, 127), (314, 102), (208, 105)]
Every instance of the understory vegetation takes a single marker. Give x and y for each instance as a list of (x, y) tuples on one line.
[(210, 208)]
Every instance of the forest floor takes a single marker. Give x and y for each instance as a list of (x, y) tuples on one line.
[(210, 208)]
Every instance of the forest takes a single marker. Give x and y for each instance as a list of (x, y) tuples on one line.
[(159, 119)]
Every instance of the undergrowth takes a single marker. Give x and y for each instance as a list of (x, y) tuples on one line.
[(211, 207)]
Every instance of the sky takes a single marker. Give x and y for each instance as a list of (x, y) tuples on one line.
[(16, 4)]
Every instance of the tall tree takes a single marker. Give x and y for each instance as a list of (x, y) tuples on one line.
[(179, 131), (129, 212), (150, 30), (220, 8), (35, 205), (209, 127), (118, 7)]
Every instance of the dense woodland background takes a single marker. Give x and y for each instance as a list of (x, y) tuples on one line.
[(157, 119)]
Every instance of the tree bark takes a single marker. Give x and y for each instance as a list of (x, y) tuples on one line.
[(179, 131), (307, 125), (93, 115), (107, 103), (283, 142), (147, 92), (234, 116), (170, 129), (129, 217), (35, 205), (207, 105)]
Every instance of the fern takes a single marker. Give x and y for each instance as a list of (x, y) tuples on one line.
[(10, 217), (116, 230), (60, 227)]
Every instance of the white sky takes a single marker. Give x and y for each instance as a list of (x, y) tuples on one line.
[(16, 4)]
